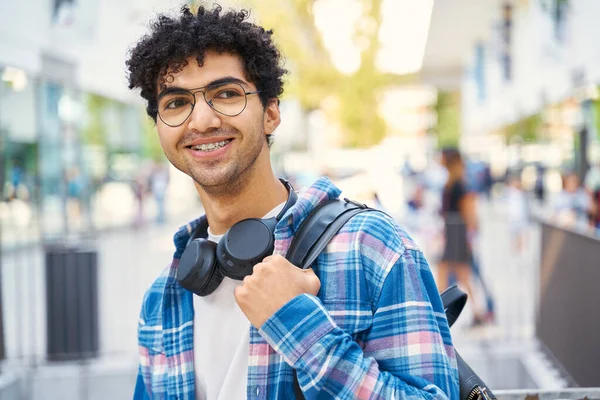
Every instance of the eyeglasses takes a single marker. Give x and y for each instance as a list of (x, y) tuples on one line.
[(175, 106)]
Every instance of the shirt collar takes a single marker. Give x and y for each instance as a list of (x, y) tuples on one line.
[(182, 236), (320, 192)]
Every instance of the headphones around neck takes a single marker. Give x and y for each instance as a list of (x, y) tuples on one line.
[(204, 263)]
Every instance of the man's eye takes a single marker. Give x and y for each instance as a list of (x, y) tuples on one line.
[(228, 94), (176, 103)]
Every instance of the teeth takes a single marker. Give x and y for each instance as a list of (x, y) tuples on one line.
[(211, 146)]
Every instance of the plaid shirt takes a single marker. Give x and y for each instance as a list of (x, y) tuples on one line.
[(376, 330)]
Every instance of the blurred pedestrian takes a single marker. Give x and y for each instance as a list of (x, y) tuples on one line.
[(139, 190), (460, 228), (159, 181), (75, 196), (592, 185), (416, 201), (488, 181), (539, 188), (572, 204), (518, 212)]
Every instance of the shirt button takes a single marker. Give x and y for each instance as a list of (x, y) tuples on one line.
[(257, 391)]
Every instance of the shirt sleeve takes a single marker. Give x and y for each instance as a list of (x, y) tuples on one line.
[(140, 393), (407, 352), (143, 388)]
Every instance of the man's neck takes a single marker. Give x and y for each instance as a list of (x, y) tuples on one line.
[(254, 199)]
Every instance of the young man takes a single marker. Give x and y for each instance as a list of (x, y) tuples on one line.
[(365, 322)]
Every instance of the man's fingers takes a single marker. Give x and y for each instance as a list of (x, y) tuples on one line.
[(237, 292), (273, 257)]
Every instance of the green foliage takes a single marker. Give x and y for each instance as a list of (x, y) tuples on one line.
[(359, 115), (596, 116), (94, 132), (527, 128), (151, 148), (448, 118)]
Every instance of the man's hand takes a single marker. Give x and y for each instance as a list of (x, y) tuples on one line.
[(273, 283)]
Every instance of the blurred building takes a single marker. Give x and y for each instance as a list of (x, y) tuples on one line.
[(69, 126), (529, 83)]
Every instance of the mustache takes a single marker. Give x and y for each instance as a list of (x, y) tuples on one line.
[(190, 137)]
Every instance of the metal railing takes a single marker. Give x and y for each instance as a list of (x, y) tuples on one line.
[(566, 394)]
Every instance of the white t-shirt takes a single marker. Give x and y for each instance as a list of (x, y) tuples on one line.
[(221, 340)]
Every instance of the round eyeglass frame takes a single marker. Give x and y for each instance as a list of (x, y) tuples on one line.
[(203, 91)]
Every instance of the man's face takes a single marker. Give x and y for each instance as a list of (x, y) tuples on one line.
[(212, 148)]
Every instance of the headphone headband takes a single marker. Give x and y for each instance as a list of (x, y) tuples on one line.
[(291, 200)]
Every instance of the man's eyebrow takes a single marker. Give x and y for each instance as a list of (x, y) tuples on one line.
[(217, 82), (170, 89), (227, 79)]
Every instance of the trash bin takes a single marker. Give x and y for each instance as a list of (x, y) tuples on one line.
[(71, 302)]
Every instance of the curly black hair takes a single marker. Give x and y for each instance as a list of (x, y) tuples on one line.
[(173, 40)]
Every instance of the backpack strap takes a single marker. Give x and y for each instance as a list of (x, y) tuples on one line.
[(317, 230), (454, 301), (470, 384)]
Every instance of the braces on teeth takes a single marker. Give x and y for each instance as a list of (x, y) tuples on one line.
[(211, 146)]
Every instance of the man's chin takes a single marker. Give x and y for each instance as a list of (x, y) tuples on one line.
[(215, 182)]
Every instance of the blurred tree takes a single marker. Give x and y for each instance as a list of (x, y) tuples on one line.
[(448, 118), (93, 133), (596, 117), (358, 110), (529, 128)]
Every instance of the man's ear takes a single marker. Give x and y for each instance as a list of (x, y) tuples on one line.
[(272, 117)]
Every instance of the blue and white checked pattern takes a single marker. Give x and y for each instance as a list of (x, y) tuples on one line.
[(376, 330)]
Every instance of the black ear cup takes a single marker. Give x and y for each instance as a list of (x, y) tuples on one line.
[(198, 271), (213, 283), (246, 244)]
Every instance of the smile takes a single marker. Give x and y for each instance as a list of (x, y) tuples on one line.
[(208, 147)]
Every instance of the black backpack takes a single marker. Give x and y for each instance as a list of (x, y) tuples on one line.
[(312, 237)]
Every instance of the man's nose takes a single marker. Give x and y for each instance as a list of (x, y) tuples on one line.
[(203, 117)]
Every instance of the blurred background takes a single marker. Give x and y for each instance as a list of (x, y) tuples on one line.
[(379, 93)]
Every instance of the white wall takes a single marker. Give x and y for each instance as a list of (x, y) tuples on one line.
[(23, 27)]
